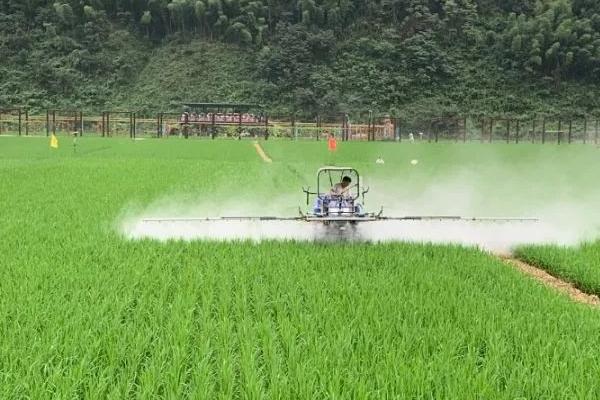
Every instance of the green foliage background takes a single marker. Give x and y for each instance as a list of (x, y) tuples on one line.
[(310, 56)]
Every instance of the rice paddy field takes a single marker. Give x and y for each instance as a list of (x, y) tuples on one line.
[(87, 312), (578, 265)]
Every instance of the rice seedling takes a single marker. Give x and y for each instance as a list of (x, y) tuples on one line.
[(86, 313), (579, 265)]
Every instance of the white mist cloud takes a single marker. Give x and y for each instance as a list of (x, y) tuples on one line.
[(566, 216)]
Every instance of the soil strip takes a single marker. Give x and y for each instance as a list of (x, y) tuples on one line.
[(553, 282), (262, 153)]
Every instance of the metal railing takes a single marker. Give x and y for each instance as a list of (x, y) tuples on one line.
[(357, 127)]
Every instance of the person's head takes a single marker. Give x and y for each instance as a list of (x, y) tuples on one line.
[(346, 181)]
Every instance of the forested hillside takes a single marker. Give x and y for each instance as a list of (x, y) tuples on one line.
[(306, 56)]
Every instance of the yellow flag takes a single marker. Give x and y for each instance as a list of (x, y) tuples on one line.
[(54, 142)]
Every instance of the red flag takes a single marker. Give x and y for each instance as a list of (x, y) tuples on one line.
[(332, 143)]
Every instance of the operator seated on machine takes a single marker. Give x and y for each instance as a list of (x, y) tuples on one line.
[(342, 188), (340, 196), (341, 191)]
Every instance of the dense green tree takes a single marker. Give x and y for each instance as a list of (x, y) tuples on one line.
[(553, 41), (306, 55)]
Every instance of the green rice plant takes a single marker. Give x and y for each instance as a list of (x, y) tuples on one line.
[(87, 313), (579, 265)]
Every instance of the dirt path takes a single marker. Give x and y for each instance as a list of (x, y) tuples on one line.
[(553, 282), (262, 153)]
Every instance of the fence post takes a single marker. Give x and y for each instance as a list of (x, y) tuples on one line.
[(239, 126), (429, 131), (518, 130), (584, 130), (134, 124), (75, 124), (596, 132), (213, 129), (508, 131), (158, 125), (81, 122), (544, 130), (437, 133), (20, 111), (347, 123), (464, 129), (373, 129), (26, 122), (54, 122), (47, 122), (570, 131), (266, 127), (491, 129), (533, 130), (457, 133), (559, 130), (481, 137), (346, 127)]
